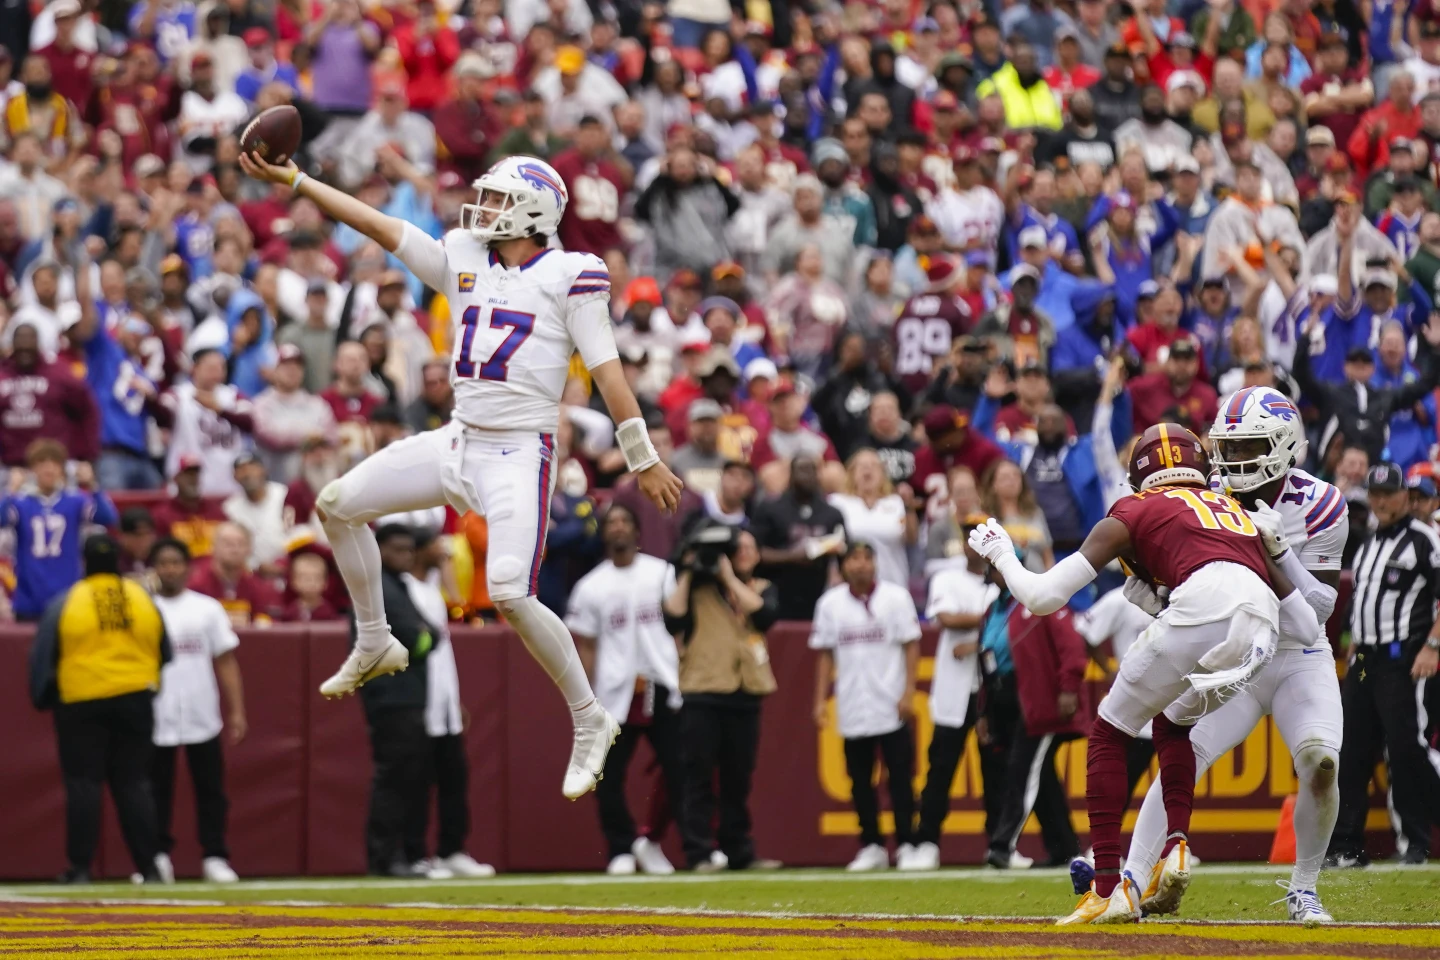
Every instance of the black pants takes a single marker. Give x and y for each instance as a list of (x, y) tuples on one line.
[(399, 748), (897, 749), (947, 746), (663, 731), (207, 777), (448, 770), (1382, 709), (1030, 781), (108, 741), (721, 740)]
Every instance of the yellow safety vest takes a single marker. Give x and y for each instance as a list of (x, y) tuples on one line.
[(1033, 106)]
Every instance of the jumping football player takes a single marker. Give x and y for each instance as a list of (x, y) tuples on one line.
[(1217, 633), (521, 310), (1258, 440)]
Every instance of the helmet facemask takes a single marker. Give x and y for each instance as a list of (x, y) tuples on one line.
[(1247, 463), (502, 204)]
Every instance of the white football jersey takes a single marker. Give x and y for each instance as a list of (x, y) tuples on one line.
[(515, 328), (969, 218), (1317, 523)]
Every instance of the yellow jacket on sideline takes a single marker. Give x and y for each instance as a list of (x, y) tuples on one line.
[(102, 638)]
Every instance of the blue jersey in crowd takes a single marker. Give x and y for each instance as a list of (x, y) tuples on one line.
[(250, 80), (1409, 438), (174, 27), (47, 543), (115, 380), (195, 242), (1403, 231)]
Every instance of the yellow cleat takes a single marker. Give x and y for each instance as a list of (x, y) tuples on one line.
[(1168, 882), (1123, 906)]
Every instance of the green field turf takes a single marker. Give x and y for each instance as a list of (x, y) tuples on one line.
[(1218, 892)]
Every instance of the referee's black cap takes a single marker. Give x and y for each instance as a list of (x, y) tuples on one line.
[(1385, 477)]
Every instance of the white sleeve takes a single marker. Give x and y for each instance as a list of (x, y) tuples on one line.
[(1044, 593), (905, 622), (943, 597), (1298, 621), (221, 634), (1320, 596), (589, 326), (822, 635), (1097, 624), (583, 617), (424, 255)]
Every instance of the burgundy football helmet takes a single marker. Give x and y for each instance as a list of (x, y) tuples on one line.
[(1168, 453)]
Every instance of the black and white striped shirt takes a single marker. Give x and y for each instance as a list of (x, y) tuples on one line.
[(1397, 581)]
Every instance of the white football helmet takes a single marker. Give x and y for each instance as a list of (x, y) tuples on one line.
[(526, 197), (1257, 437)]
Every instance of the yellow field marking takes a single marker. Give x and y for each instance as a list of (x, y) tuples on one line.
[(143, 930)]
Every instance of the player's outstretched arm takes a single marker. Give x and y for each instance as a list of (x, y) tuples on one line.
[(1044, 593), (383, 229), (653, 477)]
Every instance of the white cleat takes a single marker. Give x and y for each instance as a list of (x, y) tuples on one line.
[(164, 868), (621, 866), (872, 857), (922, 856), (587, 757), (650, 858), (218, 870), (462, 865), (1168, 881), (1304, 906), (360, 668), (1018, 861), (1124, 903)]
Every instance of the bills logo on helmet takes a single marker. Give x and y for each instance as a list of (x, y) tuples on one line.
[(541, 180), (1278, 406)]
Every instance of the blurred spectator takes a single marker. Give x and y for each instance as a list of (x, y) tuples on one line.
[(99, 673), (806, 310), (1006, 495), (259, 507), (930, 322), (136, 536), (763, 206), (699, 461), (874, 513), (1021, 330), (722, 317), (687, 208), (353, 398), (1397, 116), (1116, 96), (533, 137), (69, 48), (866, 632), (951, 443), (720, 624), (659, 532), (1175, 392), (573, 88), (208, 419), (1080, 139), (597, 182), (228, 54), (888, 435), (48, 521), (314, 337), (843, 402), (248, 599), (390, 125), (342, 45), (448, 768), (395, 714), (619, 630), (207, 115), (728, 504), (47, 115), (308, 584), (806, 227), (286, 415), (187, 711), (40, 399), (1033, 667), (798, 533), (572, 539), (427, 50), (463, 125), (788, 436), (1029, 101), (1336, 95), (187, 516), (431, 410), (263, 68)]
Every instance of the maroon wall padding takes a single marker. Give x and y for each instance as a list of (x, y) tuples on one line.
[(299, 784)]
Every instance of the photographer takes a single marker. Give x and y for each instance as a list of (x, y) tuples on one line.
[(719, 611)]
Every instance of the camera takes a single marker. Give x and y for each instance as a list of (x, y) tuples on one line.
[(702, 548)]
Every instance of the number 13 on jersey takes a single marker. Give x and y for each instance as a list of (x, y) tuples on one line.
[(494, 362), (1215, 510)]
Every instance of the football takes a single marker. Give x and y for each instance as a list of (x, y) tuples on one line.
[(274, 135)]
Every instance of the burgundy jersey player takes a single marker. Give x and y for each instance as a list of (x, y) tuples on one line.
[(1203, 570)]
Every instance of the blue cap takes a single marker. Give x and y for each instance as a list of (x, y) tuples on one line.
[(978, 258), (1424, 485)]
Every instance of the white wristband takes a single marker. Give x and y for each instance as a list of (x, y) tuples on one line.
[(300, 176), (634, 441)]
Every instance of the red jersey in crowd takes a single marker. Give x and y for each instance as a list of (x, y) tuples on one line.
[(138, 113), (592, 218), (464, 134), (69, 72), (1156, 400), (192, 523), (428, 57), (248, 599), (1176, 530), (1149, 339), (1342, 123), (932, 469), (46, 401), (923, 334), (1014, 425), (1066, 82)]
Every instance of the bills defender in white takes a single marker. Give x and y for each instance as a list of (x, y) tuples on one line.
[(521, 310), (1258, 439)]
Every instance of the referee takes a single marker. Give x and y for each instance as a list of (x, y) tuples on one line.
[(1394, 640)]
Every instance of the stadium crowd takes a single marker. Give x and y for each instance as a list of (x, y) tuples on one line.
[(957, 254)]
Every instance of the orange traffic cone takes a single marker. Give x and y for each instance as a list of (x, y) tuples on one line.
[(1283, 849)]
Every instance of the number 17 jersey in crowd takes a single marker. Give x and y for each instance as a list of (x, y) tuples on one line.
[(515, 327)]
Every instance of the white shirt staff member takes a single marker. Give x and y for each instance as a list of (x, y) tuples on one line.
[(187, 709), (445, 721), (634, 667), (866, 632), (958, 600)]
